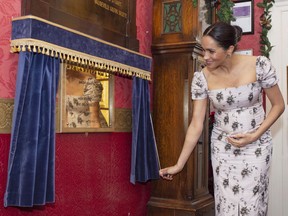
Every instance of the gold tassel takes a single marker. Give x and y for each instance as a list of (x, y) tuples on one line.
[(13, 49)]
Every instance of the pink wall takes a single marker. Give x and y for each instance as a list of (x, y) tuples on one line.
[(92, 172), (8, 61), (252, 41)]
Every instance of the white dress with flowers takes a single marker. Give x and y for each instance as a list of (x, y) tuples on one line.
[(240, 174)]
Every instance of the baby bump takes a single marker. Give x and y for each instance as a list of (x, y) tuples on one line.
[(239, 120)]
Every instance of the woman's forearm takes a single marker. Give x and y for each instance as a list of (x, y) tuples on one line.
[(272, 116), (277, 108), (191, 139)]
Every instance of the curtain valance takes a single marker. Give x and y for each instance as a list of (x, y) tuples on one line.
[(33, 34)]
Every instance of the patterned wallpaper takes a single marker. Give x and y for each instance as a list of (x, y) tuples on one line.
[(8, 61), (144, 23), (144, 35)]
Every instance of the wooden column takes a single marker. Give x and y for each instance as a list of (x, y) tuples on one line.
[(176, 55)]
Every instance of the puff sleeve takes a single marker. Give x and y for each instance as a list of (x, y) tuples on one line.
[(199, 86), (266, 73)]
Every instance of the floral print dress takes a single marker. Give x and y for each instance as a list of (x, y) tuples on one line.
[(240, 174)]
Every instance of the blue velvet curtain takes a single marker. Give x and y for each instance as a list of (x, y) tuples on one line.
[(32, 148), (144, 161)]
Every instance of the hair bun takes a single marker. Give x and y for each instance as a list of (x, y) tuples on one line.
[(238, 33)]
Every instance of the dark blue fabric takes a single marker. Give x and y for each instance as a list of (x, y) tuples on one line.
[(144, 161), (44, 31), (31, 163)]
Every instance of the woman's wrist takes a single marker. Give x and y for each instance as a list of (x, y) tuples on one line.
[(255, 135), (179, 166)]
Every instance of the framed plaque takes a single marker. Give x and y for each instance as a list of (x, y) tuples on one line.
[(244, 15), (85, 99)]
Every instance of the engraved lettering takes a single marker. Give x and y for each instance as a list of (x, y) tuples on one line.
[(111, 8)]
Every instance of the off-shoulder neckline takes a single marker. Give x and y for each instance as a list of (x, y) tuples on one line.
[(237, 87)]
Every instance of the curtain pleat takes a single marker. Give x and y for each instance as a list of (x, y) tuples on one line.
[(31, 165), (144, 158)]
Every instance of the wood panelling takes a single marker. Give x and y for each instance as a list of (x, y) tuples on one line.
[(189, 23), (176, 56)]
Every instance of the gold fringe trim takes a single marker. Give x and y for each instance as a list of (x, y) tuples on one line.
[(71, 56)]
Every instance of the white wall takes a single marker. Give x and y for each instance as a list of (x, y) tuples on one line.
[(278, 199)]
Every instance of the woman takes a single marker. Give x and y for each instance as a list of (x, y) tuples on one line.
[(241, 143)]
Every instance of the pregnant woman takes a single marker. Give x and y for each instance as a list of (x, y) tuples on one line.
[(241, 143)]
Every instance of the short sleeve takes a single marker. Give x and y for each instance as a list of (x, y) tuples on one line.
[(266, 73), (199, 86)]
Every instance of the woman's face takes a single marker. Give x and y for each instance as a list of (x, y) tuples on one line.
[(214, 55)]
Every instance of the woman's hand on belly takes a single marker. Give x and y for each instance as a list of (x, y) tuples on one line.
[(241, 139)]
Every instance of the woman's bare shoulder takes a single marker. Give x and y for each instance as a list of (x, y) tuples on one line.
[(246, 58), (245, 61)]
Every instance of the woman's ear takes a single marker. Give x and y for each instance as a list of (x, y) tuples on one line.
[(230, 50)]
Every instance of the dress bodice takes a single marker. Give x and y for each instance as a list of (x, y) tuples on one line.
[(237, 109)]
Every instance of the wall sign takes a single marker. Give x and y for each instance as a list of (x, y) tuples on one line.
[(244, 13)]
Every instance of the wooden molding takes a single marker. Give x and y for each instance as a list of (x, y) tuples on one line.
[(123, 120), (6, 112)]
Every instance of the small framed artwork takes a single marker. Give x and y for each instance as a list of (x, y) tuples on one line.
[(85, 99), (243, 11)]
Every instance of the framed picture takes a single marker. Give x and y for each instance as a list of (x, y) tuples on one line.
[(86, 101), (243, 11)]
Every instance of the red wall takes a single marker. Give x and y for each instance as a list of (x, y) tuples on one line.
[(93, 171), (252, 41)]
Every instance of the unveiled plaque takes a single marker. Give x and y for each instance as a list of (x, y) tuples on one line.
[(111, 20)]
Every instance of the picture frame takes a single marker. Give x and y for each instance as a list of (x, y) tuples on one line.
[(243, 11), (85, 100)]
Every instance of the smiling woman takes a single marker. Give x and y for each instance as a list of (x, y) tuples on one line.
[(241, 142)]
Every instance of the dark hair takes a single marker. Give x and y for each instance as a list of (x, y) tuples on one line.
[(224, 34)]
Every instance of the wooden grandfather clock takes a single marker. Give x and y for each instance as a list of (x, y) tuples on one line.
[(176, 55)]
